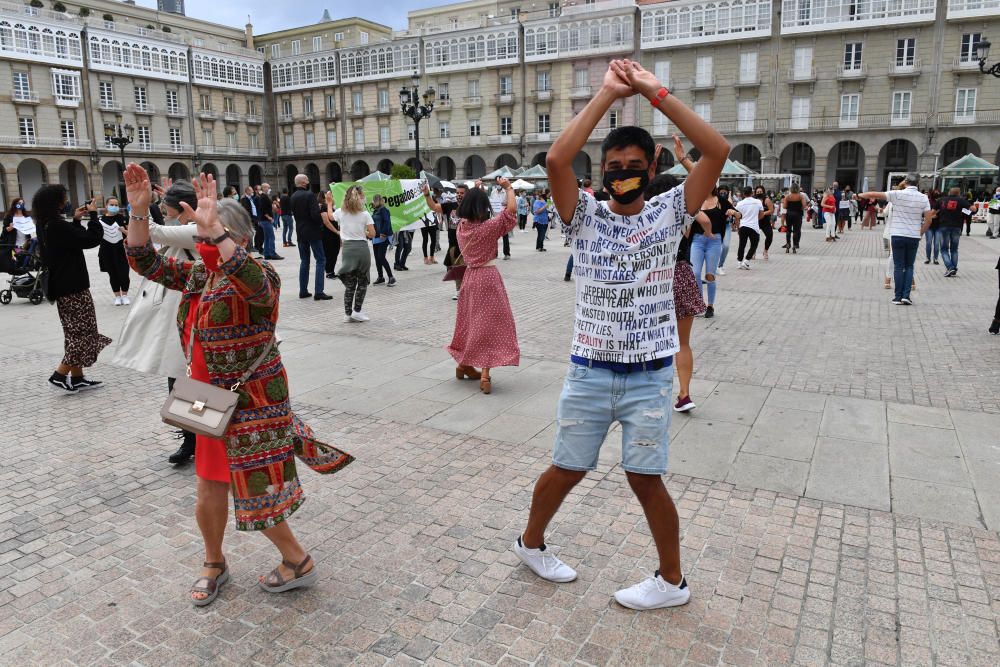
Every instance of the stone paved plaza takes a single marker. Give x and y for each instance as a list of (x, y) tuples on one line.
[(838, 486)]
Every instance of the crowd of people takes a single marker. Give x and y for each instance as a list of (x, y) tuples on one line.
[(207, 309)]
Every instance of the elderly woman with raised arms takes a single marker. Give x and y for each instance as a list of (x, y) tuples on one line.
[(226, 319)]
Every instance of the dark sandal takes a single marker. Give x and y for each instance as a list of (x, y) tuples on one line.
[(210, 585), (275, 583)]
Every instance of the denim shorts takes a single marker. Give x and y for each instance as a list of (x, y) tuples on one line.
[(594, 398)]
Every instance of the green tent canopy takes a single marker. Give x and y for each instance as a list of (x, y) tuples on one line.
[(503, 171), (375, 176), (969, 166), (732, 169), (535, 173)]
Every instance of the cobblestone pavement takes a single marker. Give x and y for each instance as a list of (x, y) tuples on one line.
[(98, 545)]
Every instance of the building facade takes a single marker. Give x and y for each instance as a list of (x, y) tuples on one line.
[(839, 90)]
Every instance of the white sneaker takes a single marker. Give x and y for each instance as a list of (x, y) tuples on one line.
[(118, 301), (125, 301), (654, 592), (544, 563), (348, 318), (720, 272), (746, 264), (359, 316)]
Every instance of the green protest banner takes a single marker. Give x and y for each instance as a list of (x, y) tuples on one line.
[(407, 207)]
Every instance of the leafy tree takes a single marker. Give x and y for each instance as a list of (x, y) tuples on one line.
[(59, 7), (84, 12), (37, 4), (401, 172)]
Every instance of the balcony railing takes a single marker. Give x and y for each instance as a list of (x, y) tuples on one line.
[(36, 142), (146, 109), (356, 112), (26, 97), (384, 110), (748, 81), (859, 121), (176, 112), (62, 101), (231, 116), (285, 118), (540, 137), (852, 72), (168, 148), (254, 119), (543, 95), (503, 139), (741, 126), (703, 83), (960, 9), (965, 63), (580, 7), (804, 16), (580, 93), (307, 115), (207, 114), (331, 114), (504, 98), (110, 106), (797, 75), (911, 69), (473, 101), (359, 148), (980, 117), (209, 149)]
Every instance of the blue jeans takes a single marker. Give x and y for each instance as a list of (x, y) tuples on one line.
[(542, 231), (286, 234), (725, 246), (594, 398), (948, 240), (932, 242), (704, 260), (569, 265), (904, 254), (268, 227), (316, 247)]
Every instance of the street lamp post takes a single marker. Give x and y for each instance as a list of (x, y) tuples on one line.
[(120, 136), (409, 102), (982, 53)]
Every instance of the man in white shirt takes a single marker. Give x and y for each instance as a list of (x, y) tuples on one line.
[(625, 331), (911, 217), (750, 210)]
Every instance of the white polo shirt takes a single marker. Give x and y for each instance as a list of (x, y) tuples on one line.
[(908, 208)]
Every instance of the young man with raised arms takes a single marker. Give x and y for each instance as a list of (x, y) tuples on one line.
[(625, 333)]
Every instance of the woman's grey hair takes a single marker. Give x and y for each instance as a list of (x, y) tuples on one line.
[(180, 191), (235, 218)]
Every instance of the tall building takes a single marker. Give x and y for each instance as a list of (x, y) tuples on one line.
[(838, 90), (172, 6)]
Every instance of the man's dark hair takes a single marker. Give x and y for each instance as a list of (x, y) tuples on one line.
[(659, 185), (630, 135), (748, 192), (47, 208), (475, 206)]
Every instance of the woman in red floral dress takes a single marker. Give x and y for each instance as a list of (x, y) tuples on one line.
[(485, 335)]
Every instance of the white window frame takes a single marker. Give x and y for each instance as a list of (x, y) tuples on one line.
[(384, 136), (543, 79), (801, 111), (748, 66), (331, 137), (967, 47), (289, 141), (317, 43), (901, 107), (232, 141), (746, 115), (143, 135), (802, 62), (906, 52), (338, 36), (364, 37), (26, 130), (965, 113), (614, 119), (703, 71), (506, 126), (208, 137), (275, 50), (581, 77), (310, 140), (66, 87), (173, 101), (853, 55), (475, 128), (67, 131), (141, 98), (22, 86), (359, 138), (357, 101), (473, 87), (506, 84), (444, 129), (253, 141), (850, 110), (175, 139), (704, 111), (296, 47), (544, 123)]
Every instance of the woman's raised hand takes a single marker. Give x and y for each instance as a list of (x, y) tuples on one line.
[(679, 151), (207, 214), (138, 189), (504, 183)]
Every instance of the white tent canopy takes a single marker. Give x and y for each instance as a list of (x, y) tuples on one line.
[(522, 185)]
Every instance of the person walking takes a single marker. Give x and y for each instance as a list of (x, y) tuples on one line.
[(616, 375), (751, 210), (724, 196), (485, 335), (267, 222), (309, 223), (911, 218), (356, 228), (61, 245), (993, 216), (447, 213), (148, 340), (952, 211), (19, 230), (287, 219), (540, 212), (932, 242), (234, 348), (249, 200), (828, 206), (404, 244), (706, 248), (111, 253), (793, 206), (522, 210), (382, 240), (428, 233)]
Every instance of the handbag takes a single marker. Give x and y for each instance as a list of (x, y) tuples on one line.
[(201, 407), (457, 270)]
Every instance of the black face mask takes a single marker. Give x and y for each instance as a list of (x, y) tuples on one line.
[(626, 185), (761, 196), (18, 206), (723, 196)]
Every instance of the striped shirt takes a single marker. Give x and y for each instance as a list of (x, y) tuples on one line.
[(908, 208)]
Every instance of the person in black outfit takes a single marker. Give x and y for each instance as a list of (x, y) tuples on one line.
[(331, 240), (61, 245), (766, 227), (249, 202), (380, 244), (793, 204), (266, 213), (285, 202), (309, 224), (995, 326), (404, 243), (111, 254), (951, 215)]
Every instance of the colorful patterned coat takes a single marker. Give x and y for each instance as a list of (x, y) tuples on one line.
[(235, 321)]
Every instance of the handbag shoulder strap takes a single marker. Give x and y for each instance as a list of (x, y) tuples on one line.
[(190, 346)]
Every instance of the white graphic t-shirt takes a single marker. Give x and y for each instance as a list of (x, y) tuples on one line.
[(624, 269)]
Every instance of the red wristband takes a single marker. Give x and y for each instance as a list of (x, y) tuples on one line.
[(661, 94)]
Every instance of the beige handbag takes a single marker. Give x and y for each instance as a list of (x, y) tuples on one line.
[(200, 407)]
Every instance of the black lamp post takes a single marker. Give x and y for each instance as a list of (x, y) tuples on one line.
[(120, 136), (409, 102), (983, 52)]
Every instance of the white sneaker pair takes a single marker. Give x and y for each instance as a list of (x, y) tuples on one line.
[(721, 272), (118, 301), (359, 316), (122, 301), (654, 592), (745, 265)]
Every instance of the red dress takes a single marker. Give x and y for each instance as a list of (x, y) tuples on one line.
[(485, 335), (210, 459)]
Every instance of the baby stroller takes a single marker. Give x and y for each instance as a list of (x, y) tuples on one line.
[(25, 268)]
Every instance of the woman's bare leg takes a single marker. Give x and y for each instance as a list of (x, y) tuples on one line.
[(211, 512), (684, 357), (281, 536)]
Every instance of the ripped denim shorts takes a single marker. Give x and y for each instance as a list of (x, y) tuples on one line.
[(594, 398)]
